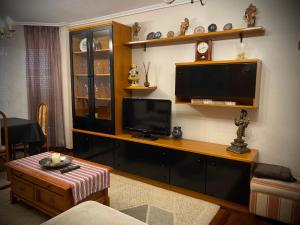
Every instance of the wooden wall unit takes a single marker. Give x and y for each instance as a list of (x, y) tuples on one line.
[(99, 75), (194, 165)]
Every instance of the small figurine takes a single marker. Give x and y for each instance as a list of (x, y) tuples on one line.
[(134, 76), (239, 145), (249, 16), (136, 27), (184, 26), (146, 84)]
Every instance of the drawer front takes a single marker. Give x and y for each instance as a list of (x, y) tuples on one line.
[(23, 189), (51, 199)]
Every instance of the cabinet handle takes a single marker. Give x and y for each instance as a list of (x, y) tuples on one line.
[(164, 153), (199, 160)]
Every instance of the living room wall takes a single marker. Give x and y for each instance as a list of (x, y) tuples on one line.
[(274, 129), (275, 126), (13, 92)]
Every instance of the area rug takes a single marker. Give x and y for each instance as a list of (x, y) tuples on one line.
[(150, 204), (126, 193), (151, 215)]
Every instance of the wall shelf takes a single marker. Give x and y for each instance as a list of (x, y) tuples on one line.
[(218, 35), (141, 88), (225, 106)]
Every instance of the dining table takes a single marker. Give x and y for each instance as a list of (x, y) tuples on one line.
[(25, 132)]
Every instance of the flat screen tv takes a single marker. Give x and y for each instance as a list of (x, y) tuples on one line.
[(236, 80), (147, 116)]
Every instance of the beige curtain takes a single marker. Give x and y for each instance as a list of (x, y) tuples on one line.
[(44, 82)]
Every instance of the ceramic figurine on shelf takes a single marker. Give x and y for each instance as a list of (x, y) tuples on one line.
[(134, 76), (239, 145), (184, 26), (250, 15), (177, 132), (136, 27), (146, 84)]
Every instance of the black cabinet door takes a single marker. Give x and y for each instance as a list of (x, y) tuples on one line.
[(143, 160), (103, 151), (81, 145), (96, 149), (188, 170), (229, 180)]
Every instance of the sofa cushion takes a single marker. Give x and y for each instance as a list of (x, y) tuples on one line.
[(276, 172), (92, 213)]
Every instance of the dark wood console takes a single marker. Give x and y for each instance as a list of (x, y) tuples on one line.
[(194, 165)]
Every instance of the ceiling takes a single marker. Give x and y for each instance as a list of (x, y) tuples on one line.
[(66, 11)]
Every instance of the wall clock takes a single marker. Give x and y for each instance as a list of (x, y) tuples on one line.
[(203, 50)]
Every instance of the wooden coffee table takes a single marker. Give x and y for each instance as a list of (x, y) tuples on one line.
[(52, 196)]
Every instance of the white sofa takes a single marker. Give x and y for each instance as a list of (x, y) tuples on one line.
[(92, 213)]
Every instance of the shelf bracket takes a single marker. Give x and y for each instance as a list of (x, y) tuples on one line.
[(241, 37), (145, 47)]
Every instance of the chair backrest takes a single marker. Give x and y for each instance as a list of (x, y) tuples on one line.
[(42, 117), (4, 150)]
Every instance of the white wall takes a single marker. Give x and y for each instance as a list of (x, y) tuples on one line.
[(13, 92), (275, 126)]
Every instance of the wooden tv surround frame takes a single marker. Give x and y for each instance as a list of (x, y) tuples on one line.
[(52, 196)]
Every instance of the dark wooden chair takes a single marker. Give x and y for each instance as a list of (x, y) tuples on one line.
[(4, 147), (42, 119)]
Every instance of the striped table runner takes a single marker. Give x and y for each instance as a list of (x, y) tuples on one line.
[(84, 181)]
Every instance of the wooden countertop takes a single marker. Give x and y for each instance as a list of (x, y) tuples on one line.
[(200, 147)]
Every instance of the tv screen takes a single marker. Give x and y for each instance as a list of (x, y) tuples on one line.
[(216, 80), (147, 115)]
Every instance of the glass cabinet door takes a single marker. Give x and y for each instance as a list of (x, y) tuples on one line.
[(80, 74), (102, 51)]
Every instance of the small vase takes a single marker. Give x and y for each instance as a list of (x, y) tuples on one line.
[(177, 133)]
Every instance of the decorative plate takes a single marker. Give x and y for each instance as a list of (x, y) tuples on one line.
[(151, 35), (83, 45), (212, 27), (157, 35), (199, 30), (47, 163)]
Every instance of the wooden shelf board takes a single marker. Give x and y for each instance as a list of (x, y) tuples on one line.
[(81, 97), (102, 50), (232, 61), (79, 52), (199, 147), (141, 88), (102, 74), (218, 35), (225, 106), (103, 99)]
